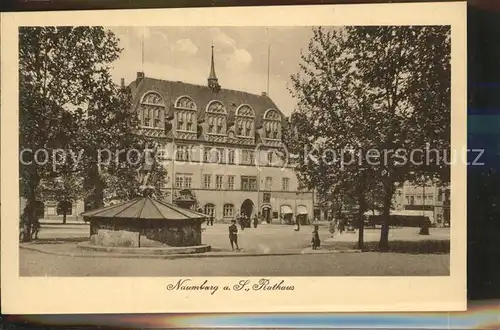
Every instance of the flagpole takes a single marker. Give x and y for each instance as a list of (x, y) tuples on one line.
[(142, 48), (268, 66)]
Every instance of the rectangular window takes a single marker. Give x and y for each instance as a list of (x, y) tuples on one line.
[(269, 158), (249, 183), (230, 182), (440, 195), (183, 153), (251, 157), (188, 180), (207, 181), (161, 152), (179, 181), (206, 155), (245, 157), (412, 200), (228, 210), (220, 155), (286, 184), (230, 156), (269, 183), (219, 181), (189, 126), (248, 157), (183, 181)]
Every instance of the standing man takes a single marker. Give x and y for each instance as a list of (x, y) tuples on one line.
[(241, 221), (255, 221), (297, 223), (233, 235)]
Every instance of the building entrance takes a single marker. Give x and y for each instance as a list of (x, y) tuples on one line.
[(247, 208), (266, 214)]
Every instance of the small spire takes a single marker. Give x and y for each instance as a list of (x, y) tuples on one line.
[(213, 82)]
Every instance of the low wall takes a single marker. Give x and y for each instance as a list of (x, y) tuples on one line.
[(172, 233)]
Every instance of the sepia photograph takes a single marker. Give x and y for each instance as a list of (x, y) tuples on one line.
[(171, 160), (249, 151)]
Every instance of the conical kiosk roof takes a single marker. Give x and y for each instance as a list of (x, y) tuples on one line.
[(144, 208)]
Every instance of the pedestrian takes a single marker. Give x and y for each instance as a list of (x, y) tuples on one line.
[(332, 228), (297, 224), (233, 235), (241, 221), (315, 241), (341, 225), (255, 221)]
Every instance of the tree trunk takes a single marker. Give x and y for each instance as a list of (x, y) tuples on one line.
[(32, 184), (95, 184), (64, 217), (361, 213), (386, 213), (361, 229)]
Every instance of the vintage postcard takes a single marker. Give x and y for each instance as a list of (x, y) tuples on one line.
[(260, 159)]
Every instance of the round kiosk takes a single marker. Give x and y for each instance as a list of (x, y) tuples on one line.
[(145, 223)]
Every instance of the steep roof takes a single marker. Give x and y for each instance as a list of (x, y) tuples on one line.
[(202, 96)]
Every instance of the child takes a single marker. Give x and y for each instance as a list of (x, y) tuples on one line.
[(233, 235), (315, 239)]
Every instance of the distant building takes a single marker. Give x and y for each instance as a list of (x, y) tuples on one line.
[(431, 199)]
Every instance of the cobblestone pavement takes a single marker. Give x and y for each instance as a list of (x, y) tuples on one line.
[(338, 264), (265, 238)]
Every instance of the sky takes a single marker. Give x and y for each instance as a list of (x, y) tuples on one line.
[(241, 53)]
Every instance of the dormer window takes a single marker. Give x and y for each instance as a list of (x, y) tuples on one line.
[(152, 110), (272, 124), (245, 121), (185, 112), (216, 118)]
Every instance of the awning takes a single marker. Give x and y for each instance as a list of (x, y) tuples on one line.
[(301, 209), (415, 213), (285, 209)]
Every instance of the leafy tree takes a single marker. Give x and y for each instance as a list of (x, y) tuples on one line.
[(408, 72), (364, 92), (68, 100), (123, 182), (66, 189)]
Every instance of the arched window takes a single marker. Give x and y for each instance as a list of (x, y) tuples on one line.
[(152, 110), (228, 210), (216, 118), (185, 102), (272, 124), (210, 209), (185, 114), (245, 121)]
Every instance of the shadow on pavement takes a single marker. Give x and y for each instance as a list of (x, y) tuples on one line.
[(408, 247)]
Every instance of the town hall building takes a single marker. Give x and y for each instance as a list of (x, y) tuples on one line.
[(222, 149)]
